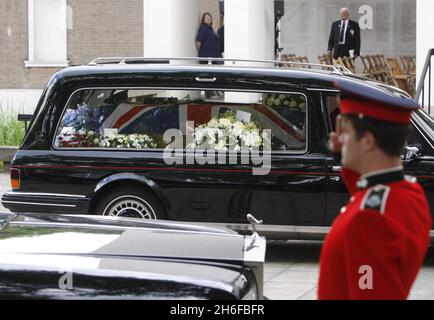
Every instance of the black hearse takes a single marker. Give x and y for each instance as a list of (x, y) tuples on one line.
[(126, 138)]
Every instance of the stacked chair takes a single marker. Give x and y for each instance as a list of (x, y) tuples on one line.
[(294, 58), (347, 63), (397, 72), (400, 73)]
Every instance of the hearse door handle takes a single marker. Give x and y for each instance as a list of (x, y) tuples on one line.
[(200, 206), (199, 79), (337, 169)]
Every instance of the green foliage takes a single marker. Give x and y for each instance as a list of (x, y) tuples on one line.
[(11, 130)]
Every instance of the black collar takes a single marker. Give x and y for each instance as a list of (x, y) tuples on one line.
[(381, 177)]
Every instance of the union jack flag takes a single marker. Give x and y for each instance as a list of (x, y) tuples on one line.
[(284, 124)]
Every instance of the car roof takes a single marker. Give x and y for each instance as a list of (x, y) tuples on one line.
[(164, 68), (324, 78)]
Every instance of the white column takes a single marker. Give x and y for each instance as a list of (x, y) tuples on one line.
[(249, 34), (170, 28), (249, 29), (424, 33)]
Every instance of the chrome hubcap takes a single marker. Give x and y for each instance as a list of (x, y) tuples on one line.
[(130, 207)]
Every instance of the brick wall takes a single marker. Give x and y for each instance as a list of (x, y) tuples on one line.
[(14, 49), (115, 28), (99, 28), (105, 28)]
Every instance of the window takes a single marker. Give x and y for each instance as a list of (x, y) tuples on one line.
[(333, 108), (47, 33), (139, 119)]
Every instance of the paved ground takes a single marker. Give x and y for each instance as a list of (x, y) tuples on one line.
[(291, 269)]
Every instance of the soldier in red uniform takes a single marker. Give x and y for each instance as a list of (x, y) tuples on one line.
[(378, 243)]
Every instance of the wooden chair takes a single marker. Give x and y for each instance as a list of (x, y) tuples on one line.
[(287, 57), (349, 64), (326, 59), (377, 68), (399, 78), (411, 71), (405, 65), (381, 68), (294, 58), (371, 70), (302, 60), (409, 64), (342, 62), (367, 72), (409, 67)]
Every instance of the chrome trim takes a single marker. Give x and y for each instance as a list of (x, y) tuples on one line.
[(42, 204), (415, 125), (122, 61), (109, 226), (199, 79), (337, 168), (105, 213), (275, 228), (276, 152), (323, 90), (311, 230), (8, 193)]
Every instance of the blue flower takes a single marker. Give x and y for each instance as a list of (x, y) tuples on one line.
[(83, 117)]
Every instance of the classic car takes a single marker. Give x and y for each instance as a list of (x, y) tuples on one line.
[(45, 256), (125, 137)]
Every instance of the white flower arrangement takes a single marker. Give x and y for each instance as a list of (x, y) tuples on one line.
[(284, 100), (126, 141), (90, 139), (226, 134)]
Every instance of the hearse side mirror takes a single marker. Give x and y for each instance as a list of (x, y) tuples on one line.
[(411, 153)]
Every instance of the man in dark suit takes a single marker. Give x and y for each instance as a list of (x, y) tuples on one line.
[(344, 37)]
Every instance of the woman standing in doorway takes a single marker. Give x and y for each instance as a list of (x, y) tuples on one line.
[(207, 40)]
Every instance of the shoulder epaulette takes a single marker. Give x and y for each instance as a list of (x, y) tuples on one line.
[(376, 198)]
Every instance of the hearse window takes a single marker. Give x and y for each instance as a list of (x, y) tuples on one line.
[(138, 119), (332, 103), (414, 138)]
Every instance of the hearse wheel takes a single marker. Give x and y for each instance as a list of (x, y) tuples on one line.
[(130, 202)]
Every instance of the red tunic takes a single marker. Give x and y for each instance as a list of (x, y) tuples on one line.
[(378, 243)]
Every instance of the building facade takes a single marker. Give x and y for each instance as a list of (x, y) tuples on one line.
[(387, 26), (38, 37)]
